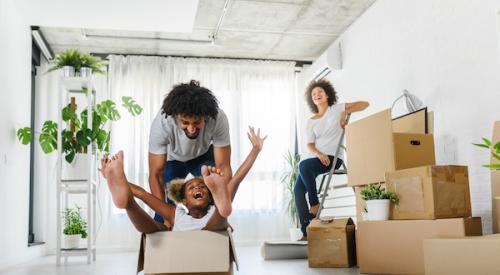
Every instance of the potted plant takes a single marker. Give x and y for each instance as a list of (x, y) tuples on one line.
[(494, 150), (73, 62), (75, 227), (90, 64), (288, 181), (76, 139), (378, 201)]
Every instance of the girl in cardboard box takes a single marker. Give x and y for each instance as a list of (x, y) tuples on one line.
[(197, 198)]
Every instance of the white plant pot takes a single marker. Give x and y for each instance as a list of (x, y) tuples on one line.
[(378, 210), (72, 241), (77, 170), (364, 216), (68, 71), (295, 233), (85, 72)]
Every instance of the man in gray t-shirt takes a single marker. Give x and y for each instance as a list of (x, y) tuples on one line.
[(189, 131)]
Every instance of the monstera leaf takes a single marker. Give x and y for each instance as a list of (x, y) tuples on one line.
[(48, 137), (24, 135), (129, 103), (107, 110)]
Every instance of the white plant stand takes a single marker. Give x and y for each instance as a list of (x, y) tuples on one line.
[(84, 184)]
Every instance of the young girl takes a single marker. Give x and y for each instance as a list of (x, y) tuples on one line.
[(197, 195), (323, 132)]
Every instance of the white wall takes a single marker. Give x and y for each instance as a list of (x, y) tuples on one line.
[(15, 95), (446, 53)]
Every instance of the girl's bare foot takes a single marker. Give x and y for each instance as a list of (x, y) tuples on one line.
[(218, 187), (112, 170)]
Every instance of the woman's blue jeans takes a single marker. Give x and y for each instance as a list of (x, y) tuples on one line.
[(309, 169)]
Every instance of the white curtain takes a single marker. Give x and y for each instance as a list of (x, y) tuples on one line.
[(257, 93)]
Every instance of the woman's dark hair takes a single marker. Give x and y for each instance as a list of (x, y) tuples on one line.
[(190, 99), (327, 87)]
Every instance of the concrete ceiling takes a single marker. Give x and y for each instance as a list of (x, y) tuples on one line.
[(297, 30)]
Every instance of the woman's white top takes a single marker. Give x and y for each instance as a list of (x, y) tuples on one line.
[(185, 222), (325, 132)]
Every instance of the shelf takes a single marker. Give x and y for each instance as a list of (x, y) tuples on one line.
[(76, 251), (78, 188), (85, 184), (75, 84)]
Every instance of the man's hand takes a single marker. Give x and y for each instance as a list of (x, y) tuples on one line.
[(255, 139)]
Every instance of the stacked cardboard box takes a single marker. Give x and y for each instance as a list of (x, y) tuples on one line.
[(434, 200), (476, 255), (495, 184), (331, 243)]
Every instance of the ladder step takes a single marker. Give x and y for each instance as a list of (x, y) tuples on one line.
[(339, 206), (339, 197)]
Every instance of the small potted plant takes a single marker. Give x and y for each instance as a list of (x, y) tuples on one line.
[(73, 63), (69, 61), (288, 181), (378, 201), (90, 64), (75, 227)]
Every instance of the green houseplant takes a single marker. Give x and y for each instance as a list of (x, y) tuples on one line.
[(494, 150), (74, 58), (75, 227), (76, 141), (378, 201), (288, 180)]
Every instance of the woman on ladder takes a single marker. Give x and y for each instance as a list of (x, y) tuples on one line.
[(323, 132)]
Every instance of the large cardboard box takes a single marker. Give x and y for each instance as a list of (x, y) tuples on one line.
[(430, 192), (331, 243), (462, 256), (373, 149), (495, 184), (396, 247), (187, 252)]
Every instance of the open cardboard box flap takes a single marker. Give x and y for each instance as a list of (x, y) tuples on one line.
[(193, 252), (331, 222)]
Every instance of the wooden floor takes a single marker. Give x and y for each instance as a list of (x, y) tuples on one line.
[(251, 263)]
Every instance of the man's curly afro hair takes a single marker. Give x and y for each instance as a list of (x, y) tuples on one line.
[(190, 99), (177, 187)]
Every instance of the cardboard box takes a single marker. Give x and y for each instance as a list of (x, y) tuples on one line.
[(419, 122), (430, 192), (495, 184), (187, 252), (396, 247), (373, 149), (462, 256), (331, 243)]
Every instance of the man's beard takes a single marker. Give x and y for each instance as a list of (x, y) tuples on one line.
[(193, 136)]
